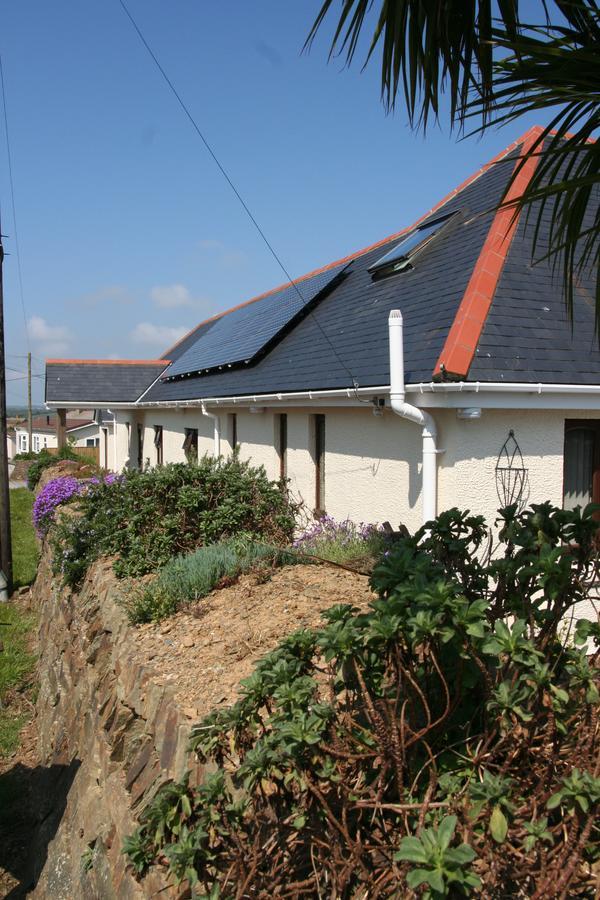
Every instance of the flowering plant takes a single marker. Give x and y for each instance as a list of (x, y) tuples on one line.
[(59, 491), (335, 540)]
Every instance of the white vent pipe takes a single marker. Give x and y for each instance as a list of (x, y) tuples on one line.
[(216, 419), (418, 416)]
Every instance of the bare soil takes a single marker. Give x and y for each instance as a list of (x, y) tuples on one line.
[(206, 650)]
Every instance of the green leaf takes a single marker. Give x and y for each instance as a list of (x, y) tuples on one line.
[(411, 850), (554, 801), (416, 877), (446, 831), (498, 825)]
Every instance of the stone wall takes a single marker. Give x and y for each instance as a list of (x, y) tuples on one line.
[(110, 730)]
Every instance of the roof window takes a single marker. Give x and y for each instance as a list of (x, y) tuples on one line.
[(398, 258)]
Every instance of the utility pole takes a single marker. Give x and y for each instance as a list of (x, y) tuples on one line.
[(5, 540), (29, 409)]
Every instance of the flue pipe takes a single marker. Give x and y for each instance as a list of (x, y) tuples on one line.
[(414, 414)]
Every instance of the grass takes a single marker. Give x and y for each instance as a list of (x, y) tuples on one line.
[(24, 545), (16, 660), (16, 668), (187, 579)]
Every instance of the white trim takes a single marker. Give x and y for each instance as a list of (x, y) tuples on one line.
[(427, 394)]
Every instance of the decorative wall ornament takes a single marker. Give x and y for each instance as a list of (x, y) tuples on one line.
[(511, 474)]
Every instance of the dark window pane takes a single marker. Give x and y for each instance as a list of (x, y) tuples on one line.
[(579, 467)]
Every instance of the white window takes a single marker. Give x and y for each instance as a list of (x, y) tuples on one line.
[(36, 443)]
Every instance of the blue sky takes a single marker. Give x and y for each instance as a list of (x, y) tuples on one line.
[(128, 233)]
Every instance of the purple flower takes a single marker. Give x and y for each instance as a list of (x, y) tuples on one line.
[(59, 491)]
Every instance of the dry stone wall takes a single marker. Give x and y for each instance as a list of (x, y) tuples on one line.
[(110, 732)]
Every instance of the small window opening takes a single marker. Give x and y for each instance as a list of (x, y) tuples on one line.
[(190, 444), (398, 259), (158, 443), (140, 447), (319, 457), (282, 444)]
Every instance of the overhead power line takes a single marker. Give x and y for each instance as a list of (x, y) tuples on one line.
[(231, 184), (12, 197)]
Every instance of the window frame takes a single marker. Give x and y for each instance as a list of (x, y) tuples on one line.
[(319, 450), (158, 444), (594, 426), (190, 444), (282, 444)]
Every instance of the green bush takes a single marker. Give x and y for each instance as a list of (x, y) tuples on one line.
[(446, 741), (147, 518), (187, 579), (45, 459)]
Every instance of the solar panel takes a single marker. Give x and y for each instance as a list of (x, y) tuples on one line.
[(241, 334)]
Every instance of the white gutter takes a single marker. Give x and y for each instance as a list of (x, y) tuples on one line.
[(217, 421), (350, 393), (413, 414)]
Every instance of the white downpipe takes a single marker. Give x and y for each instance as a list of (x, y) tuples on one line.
[(418, 416), (217, 438)]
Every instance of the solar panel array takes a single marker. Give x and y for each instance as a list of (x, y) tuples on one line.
[(241, 334)]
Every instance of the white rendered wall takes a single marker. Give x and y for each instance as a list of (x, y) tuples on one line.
[(373, 464)]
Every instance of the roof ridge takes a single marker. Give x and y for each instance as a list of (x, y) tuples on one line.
[(530, 134)]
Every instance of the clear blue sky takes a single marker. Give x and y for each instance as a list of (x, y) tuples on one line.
[(128, 233)]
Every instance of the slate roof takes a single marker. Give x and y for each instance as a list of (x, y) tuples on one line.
[(343, 340), (48, 424), (99, 381)]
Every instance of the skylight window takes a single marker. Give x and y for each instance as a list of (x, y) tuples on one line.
[(398, 258)]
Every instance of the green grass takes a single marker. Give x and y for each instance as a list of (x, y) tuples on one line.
[(24, 545), (16, 668)]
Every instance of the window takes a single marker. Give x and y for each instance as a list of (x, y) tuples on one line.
[(581, 474), (398, 258), (233, 433), (319, 458), (281, 443), (36, 443), (158, 443), (190, 444), (140, 447), (90, 442)]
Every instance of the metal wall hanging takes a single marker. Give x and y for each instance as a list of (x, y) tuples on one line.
[(511, 474)]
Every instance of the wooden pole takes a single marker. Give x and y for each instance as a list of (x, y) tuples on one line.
[(29, 408), (61, 427), (5, 538)]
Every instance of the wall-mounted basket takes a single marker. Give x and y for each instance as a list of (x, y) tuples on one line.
[(511, 474)]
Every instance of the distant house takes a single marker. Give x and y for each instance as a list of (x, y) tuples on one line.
[(435, 368), (81, 432)]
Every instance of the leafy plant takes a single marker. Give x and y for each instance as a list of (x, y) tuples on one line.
[(44, 459), (454, 692), (147, 518), (441, 867)]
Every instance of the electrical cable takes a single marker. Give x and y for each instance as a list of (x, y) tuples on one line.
[(234, 188), (12, 195)]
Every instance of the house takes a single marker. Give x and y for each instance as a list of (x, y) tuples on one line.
[(80, 432), (435, 368)]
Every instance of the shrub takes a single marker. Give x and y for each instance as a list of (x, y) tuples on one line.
[(187, 579), (45, 459), (340, 542), (150, 517), (56, 492), (445, 742)]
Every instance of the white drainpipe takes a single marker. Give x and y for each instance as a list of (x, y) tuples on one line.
[(217, 421), (418, 416)]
